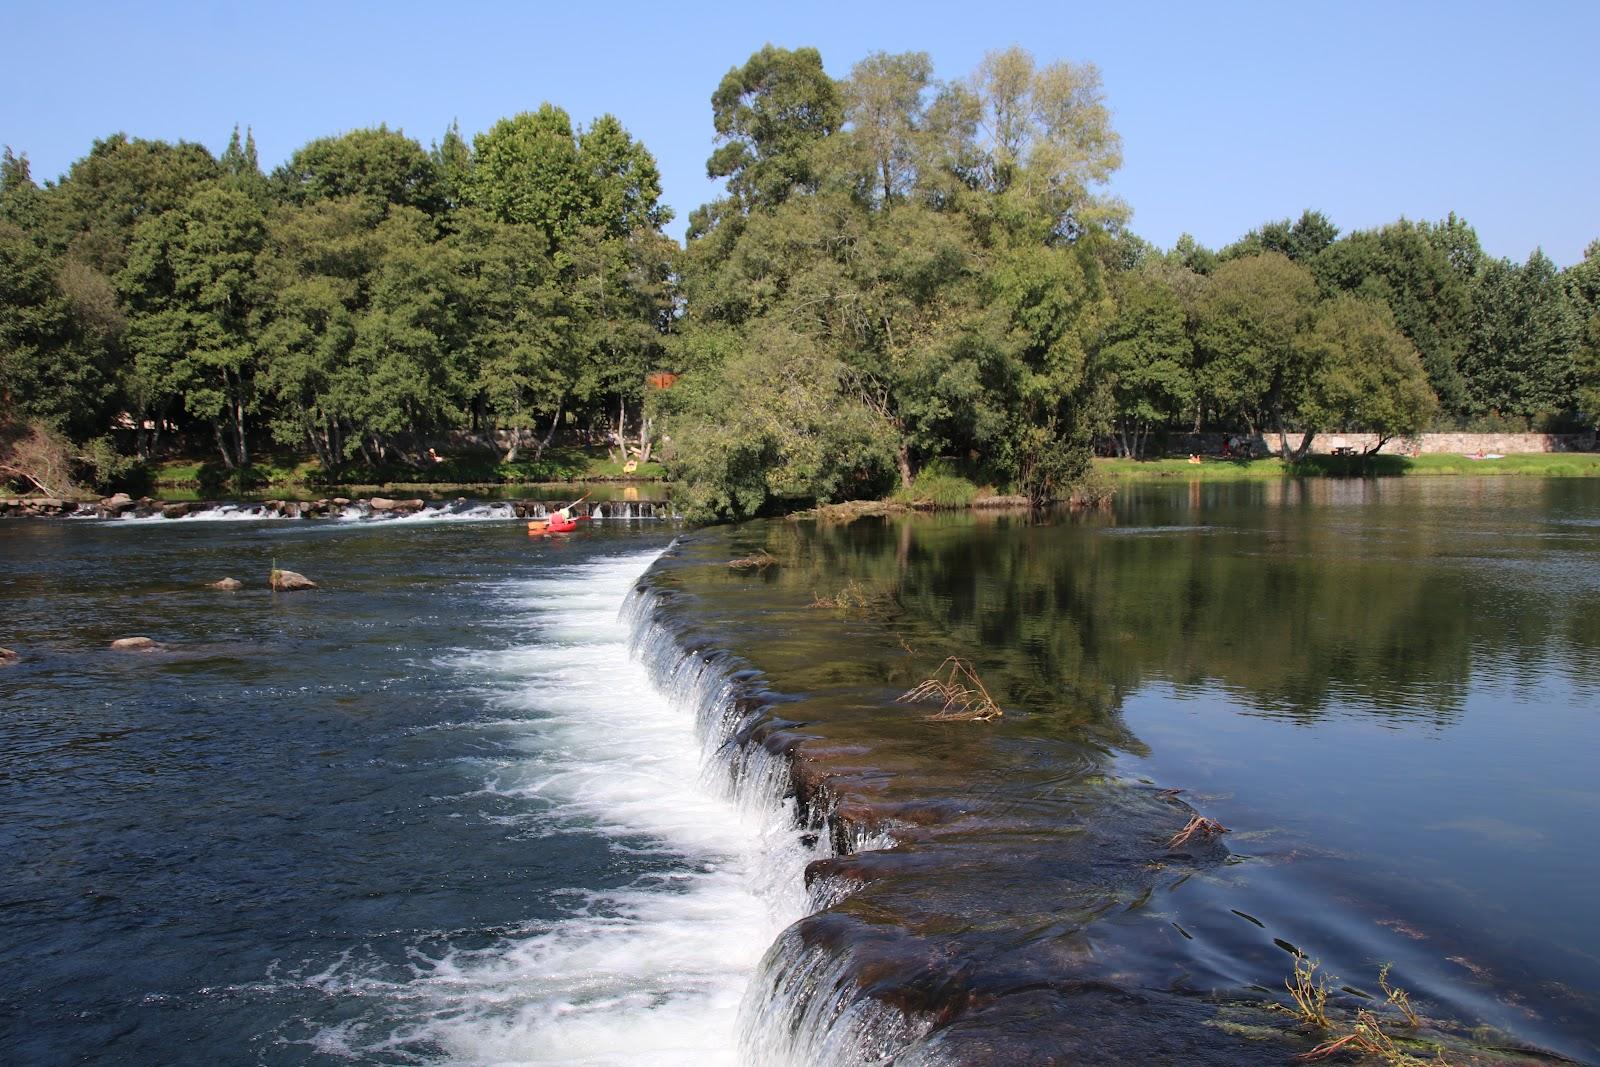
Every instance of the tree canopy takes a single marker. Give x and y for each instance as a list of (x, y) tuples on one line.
[(904, 269)]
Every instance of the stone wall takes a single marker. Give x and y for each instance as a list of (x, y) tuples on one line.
[(1466, 444)]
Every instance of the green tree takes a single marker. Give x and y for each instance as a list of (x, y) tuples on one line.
[(54, 365), (452, 162), (1520, 357), (382, 165), (1147, 359), (1364, 374), (408, 350), (121, 183), (624, 184), (1407, 268), (1251, 318), (242, 168), (191, 284), (317, 265), (769, 116), (1300, 241), (527, 171), (884, 104)]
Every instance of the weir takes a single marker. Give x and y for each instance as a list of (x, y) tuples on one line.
[(980, 893)]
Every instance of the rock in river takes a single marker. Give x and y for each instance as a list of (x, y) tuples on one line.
[(284, 581), (228, 584), (134, 644), (7, 656)]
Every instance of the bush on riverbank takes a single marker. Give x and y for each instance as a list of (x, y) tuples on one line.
[(938, 485)]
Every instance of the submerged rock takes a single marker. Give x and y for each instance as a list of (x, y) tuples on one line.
[(286, 581), (7, 656), (228, 584), (134, 644)]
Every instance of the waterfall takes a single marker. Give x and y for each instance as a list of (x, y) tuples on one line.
[(803, 1007)]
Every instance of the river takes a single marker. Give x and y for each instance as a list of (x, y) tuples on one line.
[(486, 799)]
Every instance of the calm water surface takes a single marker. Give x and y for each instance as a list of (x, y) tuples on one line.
[(1388, 691), (434, 812)]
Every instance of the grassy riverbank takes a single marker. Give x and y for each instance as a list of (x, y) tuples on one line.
[(1542, 464)]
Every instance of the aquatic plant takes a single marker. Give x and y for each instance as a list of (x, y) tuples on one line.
[(1309, 991), (956, 687), (1398, 997), (755, 561), (857, 597), (1368, 1038), (1366, 1035), (1198, 827)]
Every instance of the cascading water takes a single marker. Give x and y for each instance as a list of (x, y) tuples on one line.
[(803, 1005), (625, 733)]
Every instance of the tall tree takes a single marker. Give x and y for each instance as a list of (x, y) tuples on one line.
[(769, 116), (1363, 373), (54, 366), (884, 101), (1147, 359), (382, 165), (624, 185), (191, 282), (1252, 318), (121, 183), (1402, 265), (527, 171), (1519, 359)]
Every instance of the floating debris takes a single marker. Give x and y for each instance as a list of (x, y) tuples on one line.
[(961, 694), (756, 561), (1198, 827)]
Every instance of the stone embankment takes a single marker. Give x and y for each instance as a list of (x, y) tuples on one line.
[(1462, 444)]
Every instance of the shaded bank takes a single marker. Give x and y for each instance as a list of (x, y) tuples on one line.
[(1011, 890)]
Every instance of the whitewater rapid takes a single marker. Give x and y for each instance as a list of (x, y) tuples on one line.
[(653, 973)]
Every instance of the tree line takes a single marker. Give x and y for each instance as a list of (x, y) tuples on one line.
[(902, 270), (364, 298)]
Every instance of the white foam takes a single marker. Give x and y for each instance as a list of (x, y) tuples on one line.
[(653, 973)]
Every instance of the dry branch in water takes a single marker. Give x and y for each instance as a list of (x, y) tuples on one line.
[(857, 597), (956, 687), (1197, 827), (755, 561)]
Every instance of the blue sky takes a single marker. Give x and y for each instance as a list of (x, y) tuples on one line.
[(1231, 113)]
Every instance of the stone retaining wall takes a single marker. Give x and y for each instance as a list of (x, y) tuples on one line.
[(1466, 444)]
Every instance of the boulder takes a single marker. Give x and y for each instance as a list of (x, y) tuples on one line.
[(134, 644), (340, 501), (174, 511), (399, 507), (286, 581), (226, 584), (113, 506), (7, 656)]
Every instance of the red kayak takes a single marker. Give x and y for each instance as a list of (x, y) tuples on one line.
[(554, 524)]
